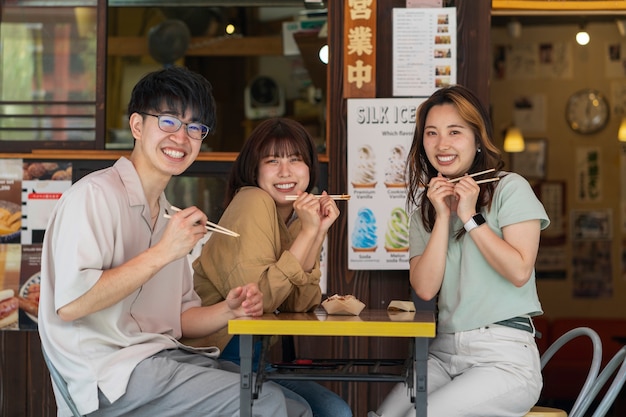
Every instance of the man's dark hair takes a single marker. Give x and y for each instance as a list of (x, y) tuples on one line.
[(174, 90)]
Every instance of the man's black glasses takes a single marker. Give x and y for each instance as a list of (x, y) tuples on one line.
[(171, 124)]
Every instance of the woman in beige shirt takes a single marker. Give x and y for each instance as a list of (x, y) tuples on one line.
[(280, 240)]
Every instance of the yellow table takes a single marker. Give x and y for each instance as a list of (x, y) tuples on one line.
[(370, 323)]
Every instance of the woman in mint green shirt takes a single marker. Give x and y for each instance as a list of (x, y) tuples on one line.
[(473, 245)]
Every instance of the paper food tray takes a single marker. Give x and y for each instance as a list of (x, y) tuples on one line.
[(343, 305), (398, 305), (401, 315)]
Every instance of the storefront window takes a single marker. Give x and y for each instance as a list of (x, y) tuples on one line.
[(47, 74)]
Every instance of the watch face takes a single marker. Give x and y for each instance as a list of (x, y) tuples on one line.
[(587, 111)]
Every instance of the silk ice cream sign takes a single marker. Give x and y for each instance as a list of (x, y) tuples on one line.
[(380, 132)]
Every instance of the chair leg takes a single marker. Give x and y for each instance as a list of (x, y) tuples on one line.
[(289, 348)]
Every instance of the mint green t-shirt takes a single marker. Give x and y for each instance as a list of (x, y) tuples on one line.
[(473, 294)]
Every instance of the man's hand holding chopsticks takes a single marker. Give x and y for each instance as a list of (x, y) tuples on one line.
[(184, 230)]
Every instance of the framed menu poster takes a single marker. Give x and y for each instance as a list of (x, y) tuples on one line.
[(531, 162)]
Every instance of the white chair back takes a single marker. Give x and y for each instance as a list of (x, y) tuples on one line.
[(616, 385)]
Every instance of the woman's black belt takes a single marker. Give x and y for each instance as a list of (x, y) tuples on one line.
[(521, 323)]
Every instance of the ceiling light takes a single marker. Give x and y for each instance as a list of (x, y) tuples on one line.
[(323, 54), (513, 140), (621, 27), (582, 37), (621, 133), (515, 29)]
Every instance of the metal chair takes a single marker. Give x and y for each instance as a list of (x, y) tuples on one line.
[(59, 382), (616, 385), (592, 375)]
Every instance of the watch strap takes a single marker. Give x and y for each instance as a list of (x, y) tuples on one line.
[(475, 221)]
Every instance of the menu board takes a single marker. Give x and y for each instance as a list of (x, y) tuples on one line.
[(424, 50), (380, 133)]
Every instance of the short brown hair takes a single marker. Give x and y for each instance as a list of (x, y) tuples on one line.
[(276, 136)]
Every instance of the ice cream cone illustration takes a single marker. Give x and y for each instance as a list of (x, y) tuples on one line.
[(395, 173), (365, 173), (397, 235), (364, 233)]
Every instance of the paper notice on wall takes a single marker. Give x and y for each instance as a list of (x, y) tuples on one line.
[(424, 3), (588, 175), (42, 187), (424, 50), (529, 113), (615, 61)]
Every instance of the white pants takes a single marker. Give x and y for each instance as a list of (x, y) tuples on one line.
[(489, 372)]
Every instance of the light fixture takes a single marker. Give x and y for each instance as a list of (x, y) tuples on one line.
[(513, 140), (621, 133), (621, 27), (86, 21), (323, 54), (582, 37), (314, 4), (515, 29)]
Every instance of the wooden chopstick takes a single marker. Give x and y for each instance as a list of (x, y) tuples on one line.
[(333, 196), (211, 226), (211, 229), (488, 180), (473, 175)]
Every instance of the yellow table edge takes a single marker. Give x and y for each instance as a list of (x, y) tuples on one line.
[(251, 326)]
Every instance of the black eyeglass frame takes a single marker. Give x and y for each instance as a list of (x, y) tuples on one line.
[(159, 116)]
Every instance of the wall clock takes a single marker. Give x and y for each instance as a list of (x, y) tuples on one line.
[(587, 111)]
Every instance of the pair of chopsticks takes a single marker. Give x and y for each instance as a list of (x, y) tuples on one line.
[(212, 227), (476, 174), (333, 196)]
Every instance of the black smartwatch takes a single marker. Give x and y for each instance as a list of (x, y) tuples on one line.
[(476, 220)]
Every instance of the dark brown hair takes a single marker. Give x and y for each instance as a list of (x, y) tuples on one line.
[(272, 137), (176, 89), (420, 170)]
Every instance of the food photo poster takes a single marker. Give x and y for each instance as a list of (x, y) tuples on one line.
[(29, 191), (380, 133)]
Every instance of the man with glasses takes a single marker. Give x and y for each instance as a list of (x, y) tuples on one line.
[(171, 124), (116, 287)]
